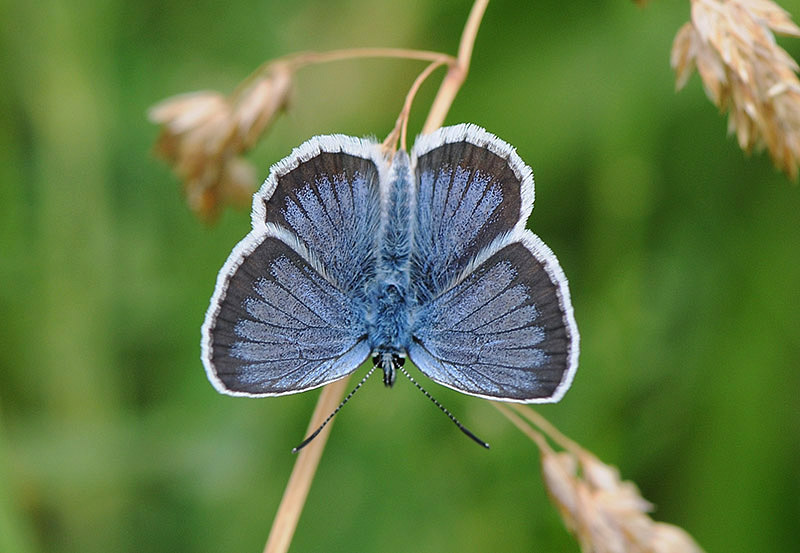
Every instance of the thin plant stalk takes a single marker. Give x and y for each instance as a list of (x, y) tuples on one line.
[(525, 428), (401, 126), (458, 72), (305, 58), (547, 427), (294, 496), (296, 492), (298, 60), (604, 512)]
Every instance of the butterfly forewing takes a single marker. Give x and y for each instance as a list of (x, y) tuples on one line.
[(471, 188), (331, 202), (289, 310), (505, 331)]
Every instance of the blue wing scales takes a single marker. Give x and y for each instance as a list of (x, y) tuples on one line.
[(471, 188), (279, 326), (328, 194), (289, 310), (503, 331)]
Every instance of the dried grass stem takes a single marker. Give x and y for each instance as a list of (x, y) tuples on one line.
[(400, 129), (534, 435), (457, 72), (605, 513), (294, 496)]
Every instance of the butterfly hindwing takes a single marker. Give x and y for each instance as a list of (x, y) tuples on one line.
[(505, 330), (471, 187), (276, 325)]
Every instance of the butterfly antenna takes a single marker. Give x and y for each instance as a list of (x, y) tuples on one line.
[(444, 410), (345, 400)]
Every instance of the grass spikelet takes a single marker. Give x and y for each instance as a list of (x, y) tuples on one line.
[(732, 45), (605, 513)]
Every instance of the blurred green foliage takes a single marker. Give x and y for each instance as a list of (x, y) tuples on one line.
[(682, 254)]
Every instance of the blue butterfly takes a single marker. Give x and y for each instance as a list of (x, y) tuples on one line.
[(355, 252)]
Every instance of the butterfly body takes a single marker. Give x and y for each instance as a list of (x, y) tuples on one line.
[(355, 252), (390, 323)]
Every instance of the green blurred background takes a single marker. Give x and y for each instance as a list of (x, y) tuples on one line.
[(682, 254)]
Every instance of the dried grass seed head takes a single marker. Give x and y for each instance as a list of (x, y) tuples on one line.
[(732, 46), (203, 135), (606, 514)]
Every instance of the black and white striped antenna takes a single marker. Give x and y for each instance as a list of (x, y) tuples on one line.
[(398, 366)]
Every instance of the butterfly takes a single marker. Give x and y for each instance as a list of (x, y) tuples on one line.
[(357, 252)]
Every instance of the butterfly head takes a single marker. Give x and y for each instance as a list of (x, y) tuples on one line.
[(388, 363)]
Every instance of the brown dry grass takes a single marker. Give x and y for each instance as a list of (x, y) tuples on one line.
[(745, 73), (204, 134), (605, 513)]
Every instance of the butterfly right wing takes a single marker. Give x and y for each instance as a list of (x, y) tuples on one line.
[(289, 310), (493, 316)]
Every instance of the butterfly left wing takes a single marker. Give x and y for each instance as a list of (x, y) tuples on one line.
[(327, 192), (505, 330), (289, 310)]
